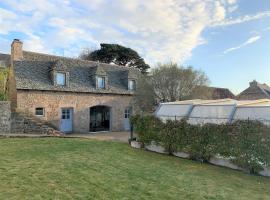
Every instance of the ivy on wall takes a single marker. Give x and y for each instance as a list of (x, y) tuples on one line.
[(245, 142), (3, 84)]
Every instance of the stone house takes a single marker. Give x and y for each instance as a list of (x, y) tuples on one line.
[(71, 94), (255, 91)]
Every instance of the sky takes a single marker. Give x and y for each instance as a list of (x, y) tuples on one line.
[(227, 39)]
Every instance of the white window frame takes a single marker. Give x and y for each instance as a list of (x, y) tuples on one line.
[(64, 76), (132, 86), (43, 111), (103, 81)]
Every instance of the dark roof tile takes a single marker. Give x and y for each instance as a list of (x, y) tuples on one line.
[(33, 73)]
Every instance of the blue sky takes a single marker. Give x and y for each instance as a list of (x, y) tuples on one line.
[(227, 39)]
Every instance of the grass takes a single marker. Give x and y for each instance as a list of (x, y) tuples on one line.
[(56, 168)]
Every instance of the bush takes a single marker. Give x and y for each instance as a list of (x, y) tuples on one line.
[(3, 84), (246, 143), (251, 145), (147, 128), (201, 145)]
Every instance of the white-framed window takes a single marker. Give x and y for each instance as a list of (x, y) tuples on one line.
[(127, 113), (60, 78), (131, 85), (101, 82), (39, 111)]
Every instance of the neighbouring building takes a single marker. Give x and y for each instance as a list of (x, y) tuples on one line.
[(73, 95), (255, 91), (221, 93)]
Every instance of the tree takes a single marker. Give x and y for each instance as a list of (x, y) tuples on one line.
[(117, 54), (3, 83), (170, 82)]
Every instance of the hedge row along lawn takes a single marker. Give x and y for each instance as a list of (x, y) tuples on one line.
[(245, 142), (58, 168)]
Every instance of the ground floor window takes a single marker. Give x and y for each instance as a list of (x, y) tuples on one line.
[(39, 111), (99, 118)]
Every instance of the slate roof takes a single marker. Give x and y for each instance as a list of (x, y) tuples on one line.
[(4, 60), (265, 89), (221, 93), (255, 89), (33, 73)]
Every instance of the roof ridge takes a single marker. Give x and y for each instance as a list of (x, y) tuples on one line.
[(257, 101), (219, 88), (4, 54), (78, 59)]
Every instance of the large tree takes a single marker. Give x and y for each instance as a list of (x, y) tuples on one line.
[(117, 54), (170, 82)]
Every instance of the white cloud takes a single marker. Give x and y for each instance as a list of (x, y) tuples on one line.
[(249, 41), (243, 19), (35, 44), (159, 30), (5, 18)]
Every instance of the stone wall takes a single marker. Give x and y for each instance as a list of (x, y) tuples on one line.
[(27, 101), (5, 115), (22, 123)]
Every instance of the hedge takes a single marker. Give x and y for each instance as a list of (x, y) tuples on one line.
[(245, 142)]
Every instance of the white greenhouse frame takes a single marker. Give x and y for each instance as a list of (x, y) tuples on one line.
[(215, 111)]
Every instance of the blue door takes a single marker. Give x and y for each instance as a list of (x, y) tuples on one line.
[(126, 118), (66, 120)]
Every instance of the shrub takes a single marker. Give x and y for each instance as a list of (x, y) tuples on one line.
[(246, 143), (3, 84), (169, 135), (201, 144), (147, 127), (251, 145)]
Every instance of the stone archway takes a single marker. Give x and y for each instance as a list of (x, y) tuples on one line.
[(100, 118)]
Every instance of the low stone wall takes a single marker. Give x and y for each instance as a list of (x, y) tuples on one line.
[(27, 124), (5, 115)]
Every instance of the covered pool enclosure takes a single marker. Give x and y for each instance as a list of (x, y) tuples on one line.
[(220, 111)]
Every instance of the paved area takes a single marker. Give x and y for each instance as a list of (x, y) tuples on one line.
[(116, 136)]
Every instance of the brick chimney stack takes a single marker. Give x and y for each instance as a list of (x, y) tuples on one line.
[(16, 50)]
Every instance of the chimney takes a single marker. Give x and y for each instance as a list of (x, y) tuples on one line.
[(254, 83), (16, 50)]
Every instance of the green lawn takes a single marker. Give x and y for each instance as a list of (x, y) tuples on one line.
[(58, 168)]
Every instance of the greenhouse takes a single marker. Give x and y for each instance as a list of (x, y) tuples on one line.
[(215, 111)]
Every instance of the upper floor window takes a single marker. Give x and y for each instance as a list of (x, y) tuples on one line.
[(60, 78), (39, 111), (131, 85), (101, 82)]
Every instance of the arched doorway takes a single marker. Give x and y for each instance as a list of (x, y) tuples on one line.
[(99, 118)]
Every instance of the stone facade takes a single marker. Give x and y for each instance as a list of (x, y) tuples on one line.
[(37, 97), (28, 100), (5, 115)]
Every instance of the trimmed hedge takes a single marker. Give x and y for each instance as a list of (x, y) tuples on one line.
[(246, 143)]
